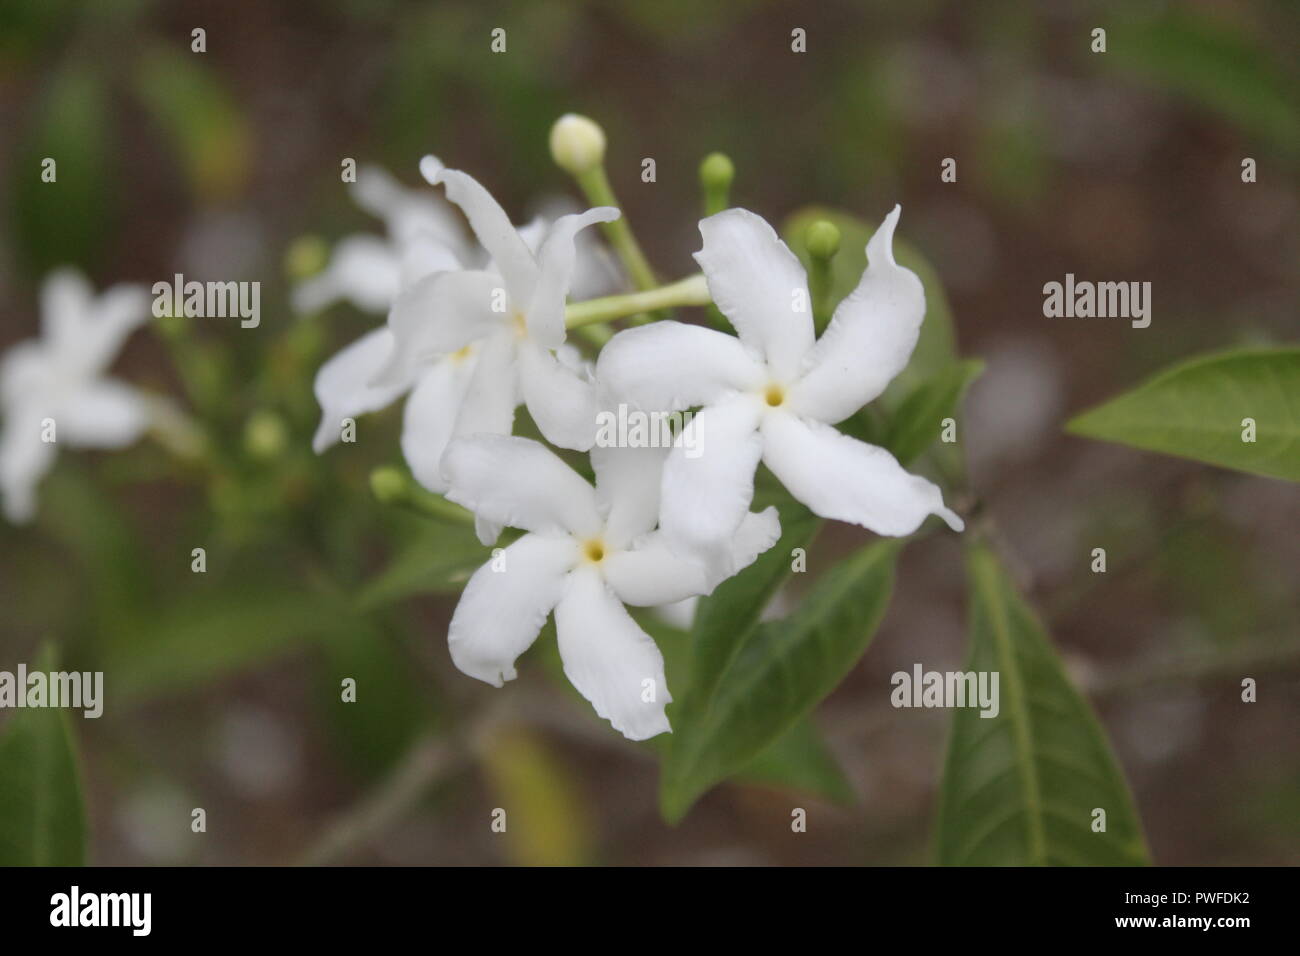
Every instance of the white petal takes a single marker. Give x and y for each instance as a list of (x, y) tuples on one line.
[(870, 337), (609, 659), (24, 460), (439, 314), (493, 394), (757, 532), (486, 531), (555, 272), (673, 366), (501, 611), (102, 414), (406, 212), (424, 254), (114, 316), (847, 480), (490, 224), (66, 298), (652, 573), (627, 490), (429, 420), (343, 387), (519, 483), (364, 270), (705, 497), (561, 401), (25, 369), (760, 286)]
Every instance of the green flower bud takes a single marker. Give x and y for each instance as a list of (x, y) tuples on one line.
[(305, 257), (822, 239), (717, 172), (265, 435), (388, 484)]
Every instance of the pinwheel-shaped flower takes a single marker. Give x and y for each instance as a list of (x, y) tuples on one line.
[(471, 344), (53, 389), (588, 552), (774, 393)]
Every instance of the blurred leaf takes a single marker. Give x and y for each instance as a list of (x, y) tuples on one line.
[(376, 729), (546, 823), (206, 636), (783, 670), (1020, 788), (917, 422), (1195, 410), (42, 820), (440, 560), (190, 103), (800, 760), (65, 221), (1211, 61)]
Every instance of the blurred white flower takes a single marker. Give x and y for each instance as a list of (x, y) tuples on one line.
[(774, 393), (53, 389), (588, 552)]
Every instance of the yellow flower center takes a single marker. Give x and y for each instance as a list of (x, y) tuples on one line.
[(521, 325), (594, 550), (462, 354), (774, 395)]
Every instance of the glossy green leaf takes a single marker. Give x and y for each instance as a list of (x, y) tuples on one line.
[(1021, 788), (1198, 410), (42, 819), (782, 670)]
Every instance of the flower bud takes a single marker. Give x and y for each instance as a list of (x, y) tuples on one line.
[(822, 239), (388, 484), (577, 144), (717, 172)]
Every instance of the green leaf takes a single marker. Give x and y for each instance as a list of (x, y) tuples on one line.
[(1020, 788), (65, 222), (440, 559), (42, 820), (208, 636), (800, 760), (1196, 409), (391, 707), (918, 420), (190, 102), (781, 672)]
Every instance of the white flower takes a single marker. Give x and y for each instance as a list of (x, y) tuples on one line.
[(58, 380), (467, 366), (588, 552), (774, 393), (369, 271), (491, 336)]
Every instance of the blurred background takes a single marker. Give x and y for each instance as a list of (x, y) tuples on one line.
[(222, 688)]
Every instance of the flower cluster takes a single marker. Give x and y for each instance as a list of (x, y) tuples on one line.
[(472, 334)]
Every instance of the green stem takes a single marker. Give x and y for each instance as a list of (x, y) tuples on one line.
[(595, 184), (692, 290)]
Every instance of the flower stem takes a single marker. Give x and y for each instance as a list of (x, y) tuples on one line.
[(595, 184), (692, 290)]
